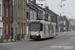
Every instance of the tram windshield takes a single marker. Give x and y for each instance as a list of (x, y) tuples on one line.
[(34, 27)]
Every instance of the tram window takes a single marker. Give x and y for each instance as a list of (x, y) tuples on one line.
[(41, 27), (51, 28), (44, 28), (29, 26), (48, 28), (34, 27)]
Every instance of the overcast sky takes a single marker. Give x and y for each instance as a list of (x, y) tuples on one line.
[(67, 10)]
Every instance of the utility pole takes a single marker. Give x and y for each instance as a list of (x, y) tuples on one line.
[(61, 4)]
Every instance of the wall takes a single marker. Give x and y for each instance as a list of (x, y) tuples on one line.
[(6, 19), (33, 14), (1, 9), (1, 23), (19, 14), (40, 14)]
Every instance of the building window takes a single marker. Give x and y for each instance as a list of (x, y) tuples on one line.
[(11, 10), (3, 10), (31, 15), (18, 12), (21, 2), (6, 11), (43, 15), (7, 29), (24, 28), (48, 18), (18, 2), (0, 9), (27, 15), (14, 12), (3, 28), (24, 13), (24, 2), (0, 33), (19, 28), (34, 15)]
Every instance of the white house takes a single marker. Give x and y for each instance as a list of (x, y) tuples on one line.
[(1, 22)]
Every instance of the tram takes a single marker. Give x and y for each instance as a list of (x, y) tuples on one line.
[(39, 29)]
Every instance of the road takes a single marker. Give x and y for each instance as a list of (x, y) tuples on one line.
[(64, 41)]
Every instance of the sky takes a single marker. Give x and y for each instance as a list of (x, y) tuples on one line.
[(68, 10)]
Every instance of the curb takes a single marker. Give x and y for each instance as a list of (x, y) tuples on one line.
[(63, 32)]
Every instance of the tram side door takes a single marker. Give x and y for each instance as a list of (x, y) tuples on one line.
[(44, 30), (54, 30)]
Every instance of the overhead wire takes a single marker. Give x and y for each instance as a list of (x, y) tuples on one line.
[(62, 8)]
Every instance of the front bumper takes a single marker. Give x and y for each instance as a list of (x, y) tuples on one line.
[(35, 37)]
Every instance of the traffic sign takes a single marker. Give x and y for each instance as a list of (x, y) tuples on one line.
[(14, 24)]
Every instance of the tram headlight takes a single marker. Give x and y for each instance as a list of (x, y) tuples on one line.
[(37, 34)]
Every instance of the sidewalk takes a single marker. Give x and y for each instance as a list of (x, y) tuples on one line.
[(13, 40), (63, 32), (9, 40), (25, 38), (6, 41)]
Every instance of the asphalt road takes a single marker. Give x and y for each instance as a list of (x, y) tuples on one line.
[(64, 41)]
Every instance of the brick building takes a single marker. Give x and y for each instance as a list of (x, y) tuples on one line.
[(63, 23), (6, 18)]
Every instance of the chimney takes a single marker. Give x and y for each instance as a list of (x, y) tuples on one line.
[(46, 7)]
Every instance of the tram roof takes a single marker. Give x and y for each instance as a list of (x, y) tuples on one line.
[(47, 22)]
